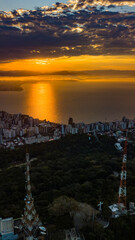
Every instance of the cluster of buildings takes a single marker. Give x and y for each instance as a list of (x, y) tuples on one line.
[(20, 129), (118, 210)]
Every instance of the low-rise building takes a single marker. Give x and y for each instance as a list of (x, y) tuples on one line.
[(72, 234), (7, 229)]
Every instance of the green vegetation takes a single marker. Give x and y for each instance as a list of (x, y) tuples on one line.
[(73, 167)]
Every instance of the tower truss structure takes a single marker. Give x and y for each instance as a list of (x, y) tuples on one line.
[(30, 219), (123, 178)]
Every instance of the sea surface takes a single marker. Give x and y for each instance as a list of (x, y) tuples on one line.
[(86, 101)]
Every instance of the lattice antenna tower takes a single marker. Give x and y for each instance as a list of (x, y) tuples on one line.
[(30, 219), (123, 177)]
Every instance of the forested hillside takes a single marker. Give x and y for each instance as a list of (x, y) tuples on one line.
[(74, 167)]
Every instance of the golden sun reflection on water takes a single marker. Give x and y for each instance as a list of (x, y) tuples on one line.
[(41, 102)]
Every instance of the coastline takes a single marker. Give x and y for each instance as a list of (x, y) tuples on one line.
[(13, 86)]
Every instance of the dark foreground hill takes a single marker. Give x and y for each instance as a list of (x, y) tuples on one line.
[(82, 170)]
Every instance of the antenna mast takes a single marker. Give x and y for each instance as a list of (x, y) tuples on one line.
[(123, 177), (30, 219)]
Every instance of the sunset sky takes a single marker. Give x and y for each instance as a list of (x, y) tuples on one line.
[(73, 36)]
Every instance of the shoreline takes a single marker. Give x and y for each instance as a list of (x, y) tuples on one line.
[(7, 86)]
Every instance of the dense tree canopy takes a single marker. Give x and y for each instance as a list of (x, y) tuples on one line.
[(75, 167)]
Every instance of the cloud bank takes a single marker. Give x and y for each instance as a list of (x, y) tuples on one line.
[(79, 27)]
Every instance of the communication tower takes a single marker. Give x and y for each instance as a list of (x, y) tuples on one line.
[(31, 224), (123, 177)]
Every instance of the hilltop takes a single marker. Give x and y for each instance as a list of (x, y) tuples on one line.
[(83, 170)]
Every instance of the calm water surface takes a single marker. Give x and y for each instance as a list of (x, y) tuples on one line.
[(84, 101)]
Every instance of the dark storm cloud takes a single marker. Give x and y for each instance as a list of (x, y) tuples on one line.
[(79, 27)]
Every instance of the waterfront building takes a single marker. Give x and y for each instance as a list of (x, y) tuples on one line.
[(70, 121), (62, 129)]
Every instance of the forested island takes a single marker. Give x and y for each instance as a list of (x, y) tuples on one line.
[(10, 86), (72, 170)]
